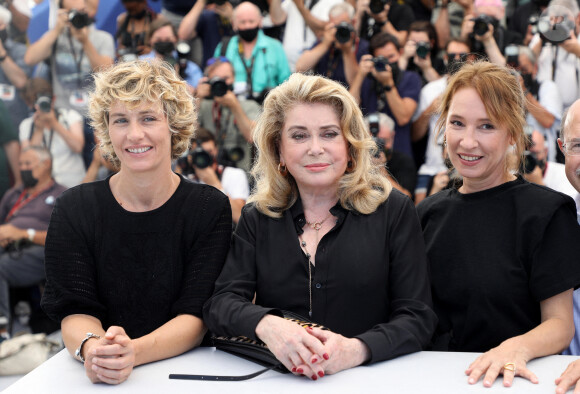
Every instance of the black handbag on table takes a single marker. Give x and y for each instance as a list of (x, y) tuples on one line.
[(249, 349)]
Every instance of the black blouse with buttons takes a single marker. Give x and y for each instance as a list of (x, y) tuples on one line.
[(370, 280)]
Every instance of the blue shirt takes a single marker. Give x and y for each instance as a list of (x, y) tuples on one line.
[(270, 66)]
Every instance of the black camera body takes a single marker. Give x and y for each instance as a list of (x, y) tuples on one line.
[(378, 6), (183, 50), (343, 32), (200, 158), (216, 2), (218, 87), (128, 54), (481, 24), (423, 49), (79, 19), (380, 63), (530, 162), (44, 103)]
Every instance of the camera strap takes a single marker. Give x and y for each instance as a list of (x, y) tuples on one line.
[(334, 57), (45, 143), (220, 130), (249, 69)]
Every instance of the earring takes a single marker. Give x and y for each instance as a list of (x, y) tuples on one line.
[(444, 140), (350, 166), (282, 169)]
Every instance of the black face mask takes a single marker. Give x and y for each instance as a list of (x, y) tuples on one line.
[(248, 35), (27, 179), (453, 65), (138, 16), (3, 35), (164, 48)]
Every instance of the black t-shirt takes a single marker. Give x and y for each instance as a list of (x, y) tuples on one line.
[(136, 270), (494, 256)]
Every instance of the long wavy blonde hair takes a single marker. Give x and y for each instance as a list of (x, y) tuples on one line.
[(361, 189), (137, 82)]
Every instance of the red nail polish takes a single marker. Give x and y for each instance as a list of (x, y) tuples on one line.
[(293, 369), (321, 374), (310, 328), (314, 360), (299, 370), (326, 356), (314, 377)]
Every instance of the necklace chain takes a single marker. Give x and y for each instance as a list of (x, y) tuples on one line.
[(318, 225)]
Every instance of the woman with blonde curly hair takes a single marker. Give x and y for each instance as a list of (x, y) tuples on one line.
[(131, 260), (503, 252), (325, 237)]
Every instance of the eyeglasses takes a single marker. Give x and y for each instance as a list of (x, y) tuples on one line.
[(212, 60), (572, 148), (462, 55)]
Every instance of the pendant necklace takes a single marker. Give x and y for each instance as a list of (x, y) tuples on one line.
[(316, 226)]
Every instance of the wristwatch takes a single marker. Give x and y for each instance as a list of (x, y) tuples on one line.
[(79, 351), (387, 88), (31, 233)]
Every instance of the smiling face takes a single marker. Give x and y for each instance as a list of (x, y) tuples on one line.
[(313, 147), (477, 147), (140, 137)]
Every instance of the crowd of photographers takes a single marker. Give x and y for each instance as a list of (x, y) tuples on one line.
[(393, 55)]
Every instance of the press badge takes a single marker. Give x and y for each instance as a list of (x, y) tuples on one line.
[(78, 98), (7, 92)]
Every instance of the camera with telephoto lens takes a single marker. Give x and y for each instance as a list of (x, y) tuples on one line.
[(512, 55), (343, 32), (530, 162), (183, 50), (374, 129), (378, 6), (218, 87), (200, 158), (44, 103), (423, 49), (79, 19), (481, 24)]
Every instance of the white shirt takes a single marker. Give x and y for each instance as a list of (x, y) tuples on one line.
[(555, 178), (235, 183)]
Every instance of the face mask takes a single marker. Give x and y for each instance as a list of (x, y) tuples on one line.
[(138, 16), (3, 35), (453, 65), (164, 48), (249, 35), (27, 179)]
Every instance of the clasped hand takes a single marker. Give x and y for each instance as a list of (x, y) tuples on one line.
[(311, 352), (110, 359)]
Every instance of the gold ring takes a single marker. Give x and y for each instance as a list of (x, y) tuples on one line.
[(510, 367)]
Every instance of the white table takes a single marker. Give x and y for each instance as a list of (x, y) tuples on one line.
[(424, 372)]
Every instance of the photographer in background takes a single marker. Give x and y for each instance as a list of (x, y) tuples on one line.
[(388, 16), (380, 86), (202, 164), (397, 167), (538, 169), (543, 101), (163, 39), (336, 55), (483, 29), (420, 53), (59, 130), (74, 49), (229, 119), (134, 29)]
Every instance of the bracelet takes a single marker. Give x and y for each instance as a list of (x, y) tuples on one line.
[(79, 351), (387, 88)]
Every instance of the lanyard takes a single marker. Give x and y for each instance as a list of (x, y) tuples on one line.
[(24, 199), (77, 62), (45, 143), (249, 69)]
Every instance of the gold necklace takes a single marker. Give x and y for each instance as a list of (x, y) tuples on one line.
[(318, 225)]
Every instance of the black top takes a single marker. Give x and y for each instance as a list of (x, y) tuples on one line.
[(493, 256), (370, 280), (402, 167), (137, 270)]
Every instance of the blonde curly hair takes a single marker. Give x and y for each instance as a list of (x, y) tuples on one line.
[(137, 82), (362, 189)]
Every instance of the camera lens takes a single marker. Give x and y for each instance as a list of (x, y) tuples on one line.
[(79, 19), (377, 6), (380, 63), (343, 31), (423, 49), (218, 87), (236, 154), (530, 162), (200, 158), (44, 103), (480, 27)]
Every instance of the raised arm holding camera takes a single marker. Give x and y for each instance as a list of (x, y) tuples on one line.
[(229, 119), (376, 16), (337, 53), (420, 52)]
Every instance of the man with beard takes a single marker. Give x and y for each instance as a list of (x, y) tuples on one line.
[(379, 86), (259, 61), (25, 213)]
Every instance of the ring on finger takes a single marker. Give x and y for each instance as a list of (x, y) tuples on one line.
[(510, 367)]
